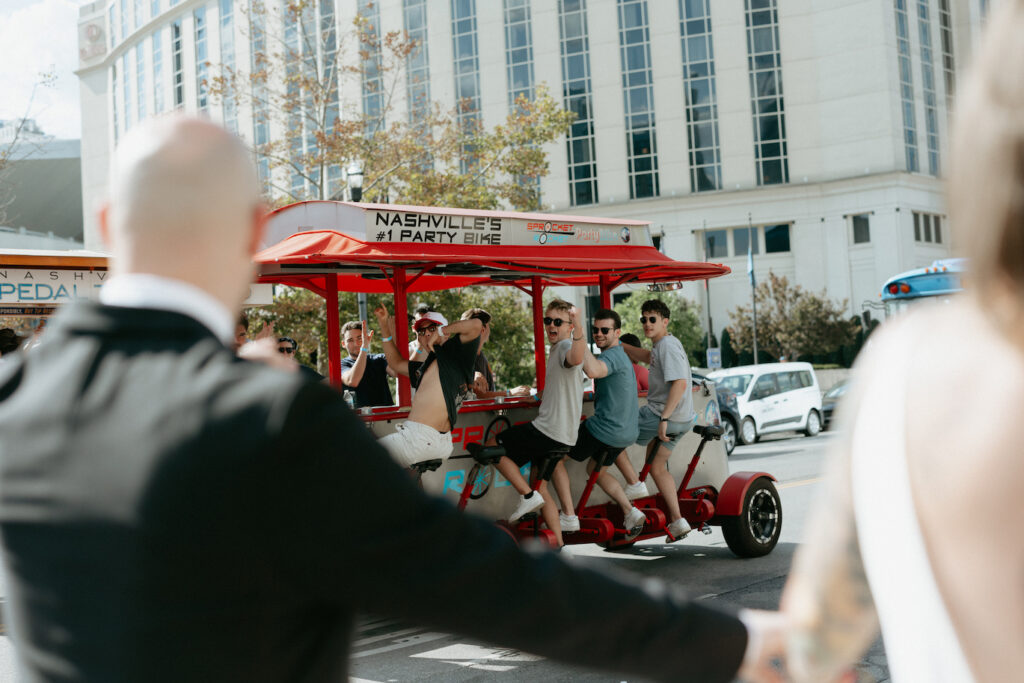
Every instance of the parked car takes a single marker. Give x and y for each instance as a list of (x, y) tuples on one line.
[(728, 410), (773, 397), (830, 399)]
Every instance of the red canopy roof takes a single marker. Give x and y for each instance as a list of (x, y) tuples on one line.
[(305, 259)]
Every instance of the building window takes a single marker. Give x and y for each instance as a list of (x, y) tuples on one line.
[(931, 115), (927, 228), (126, 91), (112, 26), (260, 121), (373, 92), (158, 73), (744, 238), (861, 228), (574, 44), (518, 50), (906, 85), (154, 8), (124, 22), (140, 80), (417, 67), (776, 238), (202, 70), (948, 63), (467, 70), (716, 244), (701, 95), (227, 60), (178, 66), (765, 66), (638, 94), (115, 88), (138, 13)]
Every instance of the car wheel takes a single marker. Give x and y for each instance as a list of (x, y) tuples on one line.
[(813, 424), (729, 435), (748, 431), (756, 530)]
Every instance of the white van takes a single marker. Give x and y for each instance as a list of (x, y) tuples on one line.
[(774, 397)]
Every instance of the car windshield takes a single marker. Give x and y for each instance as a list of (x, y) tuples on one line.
[(734, 383), (838, 390)]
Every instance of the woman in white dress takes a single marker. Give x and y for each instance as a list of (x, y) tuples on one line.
[(919, 530)]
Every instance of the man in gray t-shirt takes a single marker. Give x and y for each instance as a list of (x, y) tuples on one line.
[(668, 414), (557, 419)]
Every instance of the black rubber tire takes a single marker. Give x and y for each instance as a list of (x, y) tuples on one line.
[(813, 418), (740, 433), (756, 530), (729, 441)]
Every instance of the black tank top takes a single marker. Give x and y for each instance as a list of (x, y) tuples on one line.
[(455, 367)]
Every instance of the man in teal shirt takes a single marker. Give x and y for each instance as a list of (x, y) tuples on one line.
[(613, 424)]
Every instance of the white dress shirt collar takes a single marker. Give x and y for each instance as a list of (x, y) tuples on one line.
[(140, 290)]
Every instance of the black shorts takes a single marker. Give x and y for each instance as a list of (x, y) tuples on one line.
[(589, 446), (525, 443)]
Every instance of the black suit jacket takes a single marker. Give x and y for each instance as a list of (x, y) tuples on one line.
[(172, 513)]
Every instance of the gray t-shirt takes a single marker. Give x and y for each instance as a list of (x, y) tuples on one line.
[(669, 363), (562, 403)]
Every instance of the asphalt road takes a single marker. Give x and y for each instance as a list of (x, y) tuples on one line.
[(387, 650), (393, 651)]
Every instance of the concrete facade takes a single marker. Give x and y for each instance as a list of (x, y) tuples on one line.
[(844, 129)]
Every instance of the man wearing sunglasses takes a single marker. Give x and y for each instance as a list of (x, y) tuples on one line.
[(613, 424), (669, 412), (287, 347), (557, 418), (441, 380)]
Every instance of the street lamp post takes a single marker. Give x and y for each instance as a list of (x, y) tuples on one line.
[(354, 175)]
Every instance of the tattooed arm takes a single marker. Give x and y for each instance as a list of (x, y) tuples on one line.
[(827, 599)]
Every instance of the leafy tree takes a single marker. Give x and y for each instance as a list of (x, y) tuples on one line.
[(791, 322), (684, 321), (442, 157), (729, 357)]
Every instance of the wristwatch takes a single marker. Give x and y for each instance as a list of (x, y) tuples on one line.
[(664, 419)]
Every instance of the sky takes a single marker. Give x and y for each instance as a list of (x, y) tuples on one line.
[(36, 36)]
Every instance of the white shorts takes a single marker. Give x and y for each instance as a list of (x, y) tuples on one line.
[(413, 442)]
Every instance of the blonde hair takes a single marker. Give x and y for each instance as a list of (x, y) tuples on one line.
[(558, 305), (986, 187)]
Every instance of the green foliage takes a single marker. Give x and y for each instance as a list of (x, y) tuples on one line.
[(435, 158), (791, 322), (684, 321)]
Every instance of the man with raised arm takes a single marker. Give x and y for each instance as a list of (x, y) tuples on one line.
[(170, 512), (557, 419), (441, 380), (669, 413), (365, 373), (613, 424)]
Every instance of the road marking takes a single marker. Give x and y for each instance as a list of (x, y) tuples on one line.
[(802, 482), (401, 643), (377, 639), (464, 651)]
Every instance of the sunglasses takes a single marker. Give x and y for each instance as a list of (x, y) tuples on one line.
[(423, 331), (648, 319), (557, 322), (602, 330), (285, 349)]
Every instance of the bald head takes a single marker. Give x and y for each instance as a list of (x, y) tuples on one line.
[(184, 203)]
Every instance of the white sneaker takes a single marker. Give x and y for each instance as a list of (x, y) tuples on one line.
[(637, 490), (527, 505), (634, 522), (569, 523), (677, 530)]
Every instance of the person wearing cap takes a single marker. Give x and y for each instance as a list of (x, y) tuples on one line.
[(441, 380)]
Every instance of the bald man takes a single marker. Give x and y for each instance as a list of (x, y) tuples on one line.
[(170, 512)]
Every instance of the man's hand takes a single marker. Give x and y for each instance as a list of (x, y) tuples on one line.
[(384, 321), (264, 350), (479, 383), (266, 332), (521, 390), (766, 647), (367, 335), (663, 431), (574, 316)]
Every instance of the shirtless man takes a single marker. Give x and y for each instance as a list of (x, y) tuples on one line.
[(440, 381)]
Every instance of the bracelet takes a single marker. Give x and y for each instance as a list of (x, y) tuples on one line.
[(664, 419), (387, 339), (577, 338), (420, 351), (364, 350)]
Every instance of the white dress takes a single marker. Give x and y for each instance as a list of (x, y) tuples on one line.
[(920, 642)]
